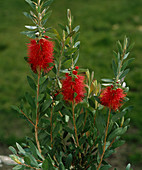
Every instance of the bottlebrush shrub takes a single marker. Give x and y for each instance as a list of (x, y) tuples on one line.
[(77, 123)]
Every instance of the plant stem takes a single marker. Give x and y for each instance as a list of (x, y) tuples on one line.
[(27, 118), (104, 140), (75, 129), (37, 114)]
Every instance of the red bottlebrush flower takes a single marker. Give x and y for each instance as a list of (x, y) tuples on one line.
[(74, 72), (40, 54), (72, 86), (112, 98), (76, 67), (67, 74)]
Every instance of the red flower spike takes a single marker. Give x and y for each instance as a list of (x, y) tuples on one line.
[(74, 72), (71, 86), (76, 67), (40, 54), (112, 98), (67, 74)]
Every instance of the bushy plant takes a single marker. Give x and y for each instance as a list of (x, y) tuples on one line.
[(77, 123)]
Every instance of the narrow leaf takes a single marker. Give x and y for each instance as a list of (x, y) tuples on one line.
[(123, 74), (30, 100), (127, 63), (32, 4), (13, 150), (126, 55), (69, 161), (107, 80), (75, 61), (31, 83), (31, 27), (21, 150), (114, 67), (76, 29), (46, 104), (47, 3), (47, 15)]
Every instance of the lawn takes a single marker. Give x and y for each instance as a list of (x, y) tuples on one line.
[(102, 24)]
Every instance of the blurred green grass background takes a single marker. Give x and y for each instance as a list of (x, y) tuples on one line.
[(102, 24)]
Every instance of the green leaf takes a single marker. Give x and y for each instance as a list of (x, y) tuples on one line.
[(123, 74), (100, 147), (76, 37), (70, 34), (108, 153), (41, 80), (119, 47), (76, 29), (115, 54), (126, 122), (30, 34), (58, 107), (35, 151), (97, 99), (21, 150), (46, 104), (77, 44), (57, 129), (49, 34), (80, 120), (70, 51), (118, 116), (16, 108), (67, 63), (31, 3), (127, 63), (31, 27), (76, 59), (105, 167), (114, 67), (40, 97), (47, 3), (67, 29), (18, 167), (100, 123), (91, 102), (28, 15), (31, 83), (69, 161), (33, 160), (13, 150), (45, 165), (43, 85), (47, 15), (107, 80), (126, 55), (118, 143), (117, 132), (30, 100), (61, 166), (130, 47), (128, 166), (27, 160), (62, 27)]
